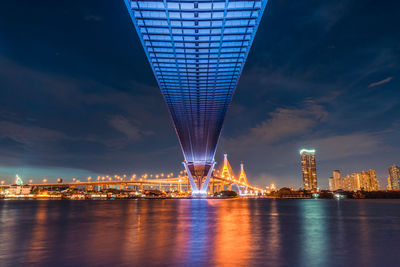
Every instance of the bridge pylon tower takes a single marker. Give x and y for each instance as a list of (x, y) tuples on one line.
[(243, 182), (242, 176), (227, 171)]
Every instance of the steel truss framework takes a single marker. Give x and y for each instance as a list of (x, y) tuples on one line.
[(197, 50)]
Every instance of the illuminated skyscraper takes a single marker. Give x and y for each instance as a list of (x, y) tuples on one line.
[(389, 183), (394, 177), (331, 184), (351, 182), (370, 181), (365, 180), (309, 169), (337, 180)]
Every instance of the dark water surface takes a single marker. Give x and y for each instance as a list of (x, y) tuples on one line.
[(239, 232)]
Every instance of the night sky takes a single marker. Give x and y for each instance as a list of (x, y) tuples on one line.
[(78, 97)]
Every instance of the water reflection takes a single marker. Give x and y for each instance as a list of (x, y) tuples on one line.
[(198, 225), (364, 234), (273, 234), (233, 237), (37, 243), (315, 242), (199, 233)]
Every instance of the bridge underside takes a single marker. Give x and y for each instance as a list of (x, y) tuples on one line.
[(197, 50)]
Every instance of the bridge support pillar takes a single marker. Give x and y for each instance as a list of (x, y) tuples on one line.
[(201, 189)]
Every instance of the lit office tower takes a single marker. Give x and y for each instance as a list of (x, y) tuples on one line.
[(389, 183), (309, 169), (373, 181), (394, 177), (365, 180), (337, 180), (331, 184)]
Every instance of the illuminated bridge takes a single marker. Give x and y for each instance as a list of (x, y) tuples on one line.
[(223, 179), (197, 51)]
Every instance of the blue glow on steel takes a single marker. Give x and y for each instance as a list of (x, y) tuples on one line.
[(197, 51)]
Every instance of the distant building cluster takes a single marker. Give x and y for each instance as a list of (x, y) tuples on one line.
[(357, 181), (309, 169), (394, 178), (365, 181)]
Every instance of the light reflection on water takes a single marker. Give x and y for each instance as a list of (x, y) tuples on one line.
[(236, 232), (314, 229)]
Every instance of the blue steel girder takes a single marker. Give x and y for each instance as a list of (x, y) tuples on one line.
[(197, 50)]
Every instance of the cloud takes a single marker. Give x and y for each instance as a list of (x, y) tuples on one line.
[(388, 79), (130, 132), (284, 123), (28, 135), (344, 146), (125, 127)]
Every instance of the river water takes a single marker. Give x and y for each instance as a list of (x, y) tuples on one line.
[(234, 232)]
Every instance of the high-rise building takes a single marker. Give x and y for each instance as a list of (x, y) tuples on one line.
[(394, 177), (351, 182), (309, 169), (365, 180), (337, 180), (331, 184), (373, 181), (389, 183)]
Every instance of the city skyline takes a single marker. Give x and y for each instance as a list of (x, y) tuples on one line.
[(335, 182), (88, 104)]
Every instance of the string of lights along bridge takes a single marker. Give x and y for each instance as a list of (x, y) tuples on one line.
[(222, 179), (197, 51)]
